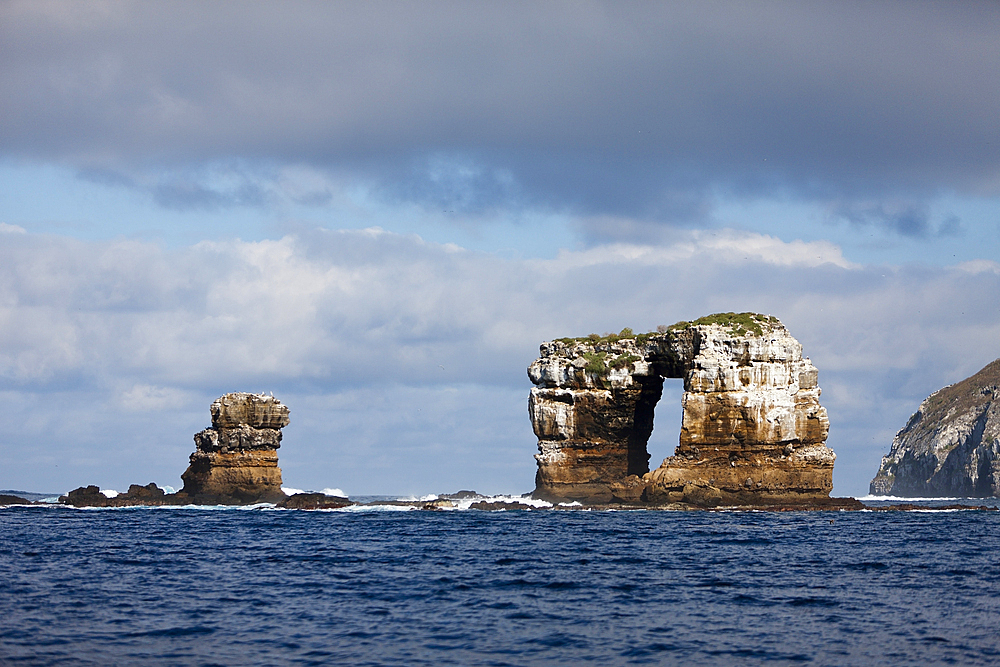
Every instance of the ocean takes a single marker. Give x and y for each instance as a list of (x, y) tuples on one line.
[(382, 586)]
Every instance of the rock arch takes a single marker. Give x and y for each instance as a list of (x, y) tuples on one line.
[(752, 428)]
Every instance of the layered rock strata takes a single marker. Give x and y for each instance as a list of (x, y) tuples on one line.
[(950, 447), (236, 459), (753, 430)]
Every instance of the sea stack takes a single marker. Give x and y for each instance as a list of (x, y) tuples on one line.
[(753, 431), (950, 447), (236, 459)]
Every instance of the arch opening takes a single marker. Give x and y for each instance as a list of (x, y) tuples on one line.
[(666, 428)]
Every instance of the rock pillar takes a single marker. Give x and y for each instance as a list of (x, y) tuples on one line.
[(236, 459)]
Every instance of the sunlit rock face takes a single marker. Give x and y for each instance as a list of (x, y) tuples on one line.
[(752, 427), (236, 460), (950, 447)]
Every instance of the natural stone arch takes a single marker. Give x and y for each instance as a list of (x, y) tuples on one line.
[(752, 426)]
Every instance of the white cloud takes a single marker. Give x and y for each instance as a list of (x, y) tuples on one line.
[(404, 361), (979, 266), (726, 246), (147, 398), (11, 229)]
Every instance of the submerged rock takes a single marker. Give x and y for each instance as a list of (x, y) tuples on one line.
[(236, 459), (950, 447), (752, 430), (460, 495), (500, 505), (314, 501), (439, 504)]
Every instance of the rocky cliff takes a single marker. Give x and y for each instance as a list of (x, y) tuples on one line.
[(951, 444), (752, 430), (236, 459)]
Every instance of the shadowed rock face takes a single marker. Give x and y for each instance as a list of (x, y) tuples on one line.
[(951, 444), (752, 431), (236, 460)]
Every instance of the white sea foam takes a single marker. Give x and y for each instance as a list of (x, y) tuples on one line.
[(374, 508), (422, 499), (900, 499), (168, 508), (218, 508), (110, 493), (525, 499), (459, 504), (289, 491)]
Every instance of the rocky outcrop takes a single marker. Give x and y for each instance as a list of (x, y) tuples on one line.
[(950, 447), (314, 501), (236, 460), (92, 496), (753, 430)]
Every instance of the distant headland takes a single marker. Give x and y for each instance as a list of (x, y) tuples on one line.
[(950, 447)]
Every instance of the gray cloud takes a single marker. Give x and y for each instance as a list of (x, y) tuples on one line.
[(599, 108), (404, 361), (906, 219)]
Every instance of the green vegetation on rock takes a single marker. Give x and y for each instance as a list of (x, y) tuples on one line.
[(596, 339), (739, 324), (624, 360), (595, 362)]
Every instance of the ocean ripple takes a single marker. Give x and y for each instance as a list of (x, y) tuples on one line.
[(184, 586)]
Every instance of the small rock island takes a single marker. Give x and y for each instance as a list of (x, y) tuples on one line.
[(236, 459), (753, 431), (950, 447), (235, 463)]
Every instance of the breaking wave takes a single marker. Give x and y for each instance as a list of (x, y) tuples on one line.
[(290, 491), (902, 499)]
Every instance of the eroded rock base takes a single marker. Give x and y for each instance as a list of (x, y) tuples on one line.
[(229, 478)]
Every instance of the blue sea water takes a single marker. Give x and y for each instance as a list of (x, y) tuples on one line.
[(170, 586)]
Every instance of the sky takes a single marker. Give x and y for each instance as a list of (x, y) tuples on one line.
[(377, 211)]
